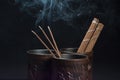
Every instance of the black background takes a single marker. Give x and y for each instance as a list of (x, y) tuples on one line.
[(16, 38)]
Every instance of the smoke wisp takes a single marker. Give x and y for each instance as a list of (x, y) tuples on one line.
[(54, 10)]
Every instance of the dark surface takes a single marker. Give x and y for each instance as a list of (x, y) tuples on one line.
[(16, 38)]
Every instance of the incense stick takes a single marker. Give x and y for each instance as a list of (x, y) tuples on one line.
[(47, 38), (88, 35), (58, 52), (43, 42), (94, 37)]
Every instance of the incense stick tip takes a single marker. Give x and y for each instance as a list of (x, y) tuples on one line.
[(40, 27), (48, 27), (101, 24), (32, 31), (95, 20)]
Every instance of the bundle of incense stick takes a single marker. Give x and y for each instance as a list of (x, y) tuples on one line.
[(52, 43), (91, 36)]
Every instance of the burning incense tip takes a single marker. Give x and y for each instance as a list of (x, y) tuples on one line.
[(95, 20), (49, 27), (33, 32), (40, 27)]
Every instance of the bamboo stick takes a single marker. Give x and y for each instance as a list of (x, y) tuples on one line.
[(43, 42), (58, 52), (48, 38)]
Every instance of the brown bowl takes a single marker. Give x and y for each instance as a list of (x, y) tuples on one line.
[(39, 64), (89, 54), (70, 67)]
